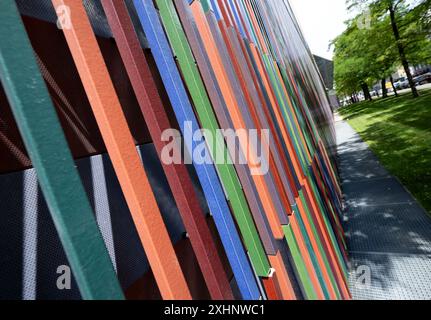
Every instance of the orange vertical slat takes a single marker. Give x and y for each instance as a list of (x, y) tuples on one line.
[(233, 108), (286, 288), (119, 142), (316, 250), (307, 259)]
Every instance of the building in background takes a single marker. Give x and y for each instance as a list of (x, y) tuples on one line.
[(326, 69)]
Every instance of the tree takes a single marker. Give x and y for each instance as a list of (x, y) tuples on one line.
[(409, 27), (380, 50), (349, 66), (363, 55), (401, 48), (416, 33)]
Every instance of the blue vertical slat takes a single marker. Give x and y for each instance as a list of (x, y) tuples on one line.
[(207, 175)]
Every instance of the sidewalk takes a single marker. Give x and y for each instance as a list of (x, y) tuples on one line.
[(387, 230)]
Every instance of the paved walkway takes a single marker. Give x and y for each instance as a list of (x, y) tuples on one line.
[(388, 232)]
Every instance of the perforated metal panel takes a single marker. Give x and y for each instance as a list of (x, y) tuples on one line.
[(388, 232), (43, 10), (30, 247), (393, 277), (401, 228)]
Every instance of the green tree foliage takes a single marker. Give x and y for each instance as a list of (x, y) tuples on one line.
[(363, 54), (350, 69), (415, 29), (384, 35)]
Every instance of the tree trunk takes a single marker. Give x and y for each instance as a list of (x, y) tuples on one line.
[(393, 87), (401, 51), (384, 90), (366, 91)]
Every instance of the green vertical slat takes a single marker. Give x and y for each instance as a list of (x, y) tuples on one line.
[(299, 116), (206, 115), (319, 243), (251, 30), (303, 275), (58, 178), (206, 6), (287, 112), (284, 110), (328, 226), (311, 251)]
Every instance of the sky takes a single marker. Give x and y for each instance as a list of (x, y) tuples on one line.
[(321, 21)]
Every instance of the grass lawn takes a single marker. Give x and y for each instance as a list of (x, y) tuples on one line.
[(398, 130)]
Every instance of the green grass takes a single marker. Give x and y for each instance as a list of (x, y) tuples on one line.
[(398, 130)]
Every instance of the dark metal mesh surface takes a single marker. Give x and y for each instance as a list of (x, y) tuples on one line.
[(43, 10), (388, 232), (31, 250)]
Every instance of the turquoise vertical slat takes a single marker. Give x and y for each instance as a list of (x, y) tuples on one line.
[(58, 178)]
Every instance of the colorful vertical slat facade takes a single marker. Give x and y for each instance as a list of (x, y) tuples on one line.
[(51, 157), (213, 65), (122, 151)]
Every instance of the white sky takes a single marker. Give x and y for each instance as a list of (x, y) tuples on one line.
[(321, 21)]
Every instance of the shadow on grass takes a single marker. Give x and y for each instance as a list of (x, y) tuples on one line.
[(398, 130)]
